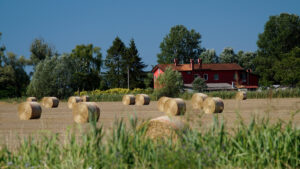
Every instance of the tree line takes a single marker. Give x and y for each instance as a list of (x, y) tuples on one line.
[(277, 61), (61, 75)]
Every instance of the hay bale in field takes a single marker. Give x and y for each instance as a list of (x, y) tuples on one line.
[(161, 103), (164, 127), (142, 99), (29, 110), (50, 102), (128, 99), (197, 100), (73, 100), (241, 95), (213, 105), (175, 107), (31, 99), (86, 112), (85, 98)]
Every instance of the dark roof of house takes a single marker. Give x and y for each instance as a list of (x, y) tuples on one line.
[(187, 67)]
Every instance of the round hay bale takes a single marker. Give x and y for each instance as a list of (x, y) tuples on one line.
[(73, 100), (142, 99), (161, 103), (85, 98), (86, 112), (29, 110), (241, 95), (164, 127), (174, 107), (50, 102), (213, 105), (31, 99), (128, 99), (197, 100)]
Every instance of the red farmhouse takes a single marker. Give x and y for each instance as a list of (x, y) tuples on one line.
[(221, 74)]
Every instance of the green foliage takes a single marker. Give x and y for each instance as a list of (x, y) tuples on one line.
[(199, 85), (149, 80), (133, 62), (7, 81), (88, 61), (246, 60), (120, 61), (281, 35), (40, 50), (288, 69), (180, 43), (228, 56), (209, 56), (169, 83), (53, 77), (13, 78), (113, 63), (114, 94), (257, 145)]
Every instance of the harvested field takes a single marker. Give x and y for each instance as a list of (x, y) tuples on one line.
[(59, 119)]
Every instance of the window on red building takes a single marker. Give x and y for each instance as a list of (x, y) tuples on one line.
[(205, 76), (244, 78), (235, 76), (216, 76)]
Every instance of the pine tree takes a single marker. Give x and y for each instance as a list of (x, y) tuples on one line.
[(134, 66), (113, 63)]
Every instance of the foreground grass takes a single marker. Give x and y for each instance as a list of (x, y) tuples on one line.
[(258, 145)]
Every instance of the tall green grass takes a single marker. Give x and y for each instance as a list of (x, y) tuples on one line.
[(258, 145)]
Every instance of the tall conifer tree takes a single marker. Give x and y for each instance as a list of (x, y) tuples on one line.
[(113, 63), (134, 66)]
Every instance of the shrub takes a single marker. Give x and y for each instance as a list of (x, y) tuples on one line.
[(169, 84), (199, 85)]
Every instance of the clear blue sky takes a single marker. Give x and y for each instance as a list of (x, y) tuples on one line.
[(67, 23)]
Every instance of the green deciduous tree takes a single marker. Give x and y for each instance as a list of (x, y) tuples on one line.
[(88, 60), (281, 35), (180, 43), (53, 77), (13, 78), (209, 56), (170, 83), (149, 80), (228, 56), (288, 69), (246, 60), (199, 85), (132, 62), (40, 50)]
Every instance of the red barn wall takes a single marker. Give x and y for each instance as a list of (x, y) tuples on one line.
[(225, 76)]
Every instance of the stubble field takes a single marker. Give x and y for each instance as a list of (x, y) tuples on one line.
[(58, 120)]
